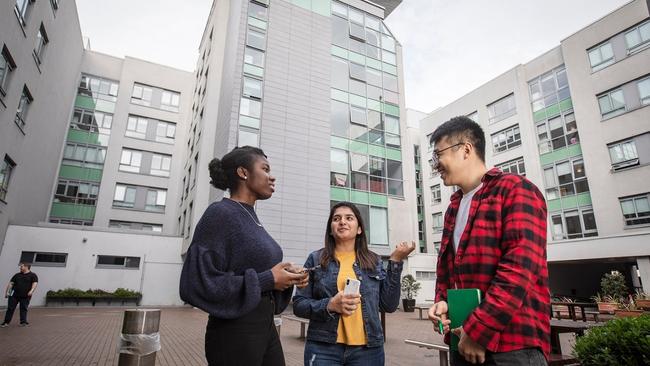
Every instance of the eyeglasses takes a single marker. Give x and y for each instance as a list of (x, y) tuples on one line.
[(435, 159)]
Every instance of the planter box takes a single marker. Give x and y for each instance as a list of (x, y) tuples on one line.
[(626, 313), (607, 307), (643, 304), (92, 301)]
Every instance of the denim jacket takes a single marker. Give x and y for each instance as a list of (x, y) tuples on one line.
[(380, 291)]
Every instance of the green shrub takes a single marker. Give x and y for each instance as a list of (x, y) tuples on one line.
[(623, 341), (613, 284), (90, 293), (410, 287), (123, 292)]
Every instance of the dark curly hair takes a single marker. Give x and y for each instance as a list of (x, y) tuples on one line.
[(224, 172)]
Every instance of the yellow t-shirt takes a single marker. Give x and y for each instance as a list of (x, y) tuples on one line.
[(351, 329)]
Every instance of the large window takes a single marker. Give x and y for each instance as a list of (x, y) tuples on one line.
[(378, 226), (83, 155), (170, 100), (437, 221), (425, 275), (76, 192), (252, 88), (601, 56), (644, 91), (7, 65), (573, 224), (165, 132), (23, 107), (7, 166), (45, 259), (502, 109), (638, 37), (41, 42), (548, 90), (623, 154), (557, 132), (515, 166), (565, 179), (506, 139), (636, 209), (129, 225), (435, 194), (130, 161), (137, 127), (611, 103), (160, 165), (124, 196), (141, 95), (92, 121), (98, 88), (22, 8), (156, 200), (111, 261)]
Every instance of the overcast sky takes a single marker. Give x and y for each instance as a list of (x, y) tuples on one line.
[(450, 46)]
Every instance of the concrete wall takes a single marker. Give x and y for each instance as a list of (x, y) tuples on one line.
[(157, 277)]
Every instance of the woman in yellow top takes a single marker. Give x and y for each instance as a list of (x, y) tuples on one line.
[(345, 329)]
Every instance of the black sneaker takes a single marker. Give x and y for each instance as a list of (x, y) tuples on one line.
[(24, 324), (4, 325)]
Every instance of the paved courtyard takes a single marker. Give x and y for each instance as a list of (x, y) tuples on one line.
[(89, 335)]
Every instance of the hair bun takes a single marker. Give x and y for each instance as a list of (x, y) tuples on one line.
[(217, 174)]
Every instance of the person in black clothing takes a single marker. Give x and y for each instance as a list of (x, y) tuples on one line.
[(20, 290)]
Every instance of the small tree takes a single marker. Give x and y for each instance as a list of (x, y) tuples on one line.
[(410, 286), (613, 284)]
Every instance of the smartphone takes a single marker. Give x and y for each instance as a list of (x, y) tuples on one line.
[(351, 287)]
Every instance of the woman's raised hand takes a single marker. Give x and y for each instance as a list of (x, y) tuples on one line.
[(402, 250)]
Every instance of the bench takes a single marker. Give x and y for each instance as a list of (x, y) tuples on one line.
[(594, 313), (303, 323), (420, 308), (443, 350)]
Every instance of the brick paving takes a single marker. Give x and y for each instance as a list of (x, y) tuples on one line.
[(88, 336)]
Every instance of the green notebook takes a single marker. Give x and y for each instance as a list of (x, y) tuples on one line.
[(461, 303)]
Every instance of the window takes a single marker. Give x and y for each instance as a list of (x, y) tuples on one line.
[(515, 166), (502, 109), (254, 57), (21, 9), (161, 165), (124, 196), (557, 133), (437, 221), (357, 71), (92, 121), (141, 95), (41, 42), (55, 220), (638, 37), (378, 226), (257, 11), (473, 116), (76, 192), (130, 161), (7, 66), (55, 5), (644, 91), (23, 107), (546, 91), (256, 39), (574, 224), (110, 261), (636, 209), (46, 259), (611, 103), (250, 107), (623, 154), (436, 246), (84, 156), (165, 132), (425, 275), (252, 88), (98, 88), (156, 200), (170, 100), (339, 166), (247, 137), (565, 179), (137, 127), (506, 139), (128, 225), (435, 194), (377, 167), (601, 56), (7, 166)]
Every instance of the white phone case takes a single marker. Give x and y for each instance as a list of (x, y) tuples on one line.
[(351, 287)]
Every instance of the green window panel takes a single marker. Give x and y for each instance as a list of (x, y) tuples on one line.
[(584, 199), (340, 143), (340, 52), (566, 105), (554, 205), (75, 172), (72, 211), (253, 70), (394, 154), (357, 57), (378, 200), (375, 64), (561, 154), (305, 4), (359, 147), (321, 7), (539, 115), (375, 105), (420, 218), (417, 167), (357, 100), (553, 110), (339, 95), (389, 68), (257, 23), (569, 202), (390, 109), (359, 197), (83, 137), (85, 102), (339, 194), (418, 190), (378, 151)]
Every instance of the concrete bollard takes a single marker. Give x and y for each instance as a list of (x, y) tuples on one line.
[(139, 340)]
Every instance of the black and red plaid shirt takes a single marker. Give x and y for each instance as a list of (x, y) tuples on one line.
[(502, 252)]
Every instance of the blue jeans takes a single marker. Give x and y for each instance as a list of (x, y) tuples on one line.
[(526, 356), (326, 354)]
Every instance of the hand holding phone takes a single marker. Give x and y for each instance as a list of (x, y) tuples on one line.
[(351, 287)]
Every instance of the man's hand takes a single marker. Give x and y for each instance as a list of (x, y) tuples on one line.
[(470, 350), (438, 315)]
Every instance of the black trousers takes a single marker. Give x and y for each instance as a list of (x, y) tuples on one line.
[(250, 340), (526, 356), (11, 307)]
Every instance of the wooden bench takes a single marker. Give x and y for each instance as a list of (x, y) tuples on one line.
[(443, 350), (422, 307), (303, 323), (594, 313)]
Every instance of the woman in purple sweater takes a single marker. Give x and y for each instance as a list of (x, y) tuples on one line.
[(233, 268)]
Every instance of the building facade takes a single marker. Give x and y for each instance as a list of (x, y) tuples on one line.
[(575, 122)]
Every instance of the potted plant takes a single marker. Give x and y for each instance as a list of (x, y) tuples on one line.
[(606, 304), (410, 288), (613, 289), (623, 341), (642, 300), (626, 309)]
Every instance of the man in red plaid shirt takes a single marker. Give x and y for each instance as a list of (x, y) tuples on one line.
[(494, 239)]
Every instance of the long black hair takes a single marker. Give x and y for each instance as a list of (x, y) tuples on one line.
[(366, 258), (223, 172)]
